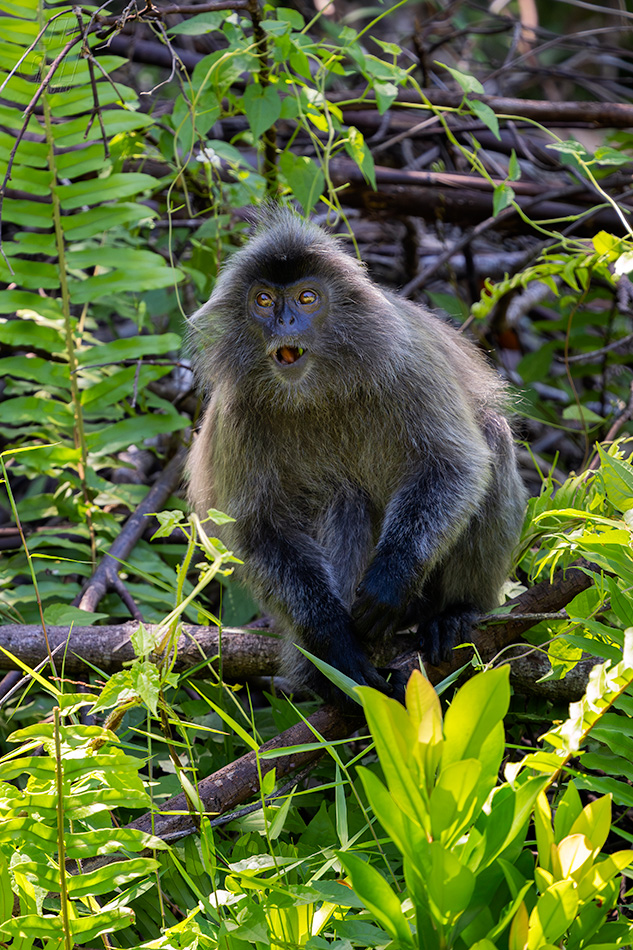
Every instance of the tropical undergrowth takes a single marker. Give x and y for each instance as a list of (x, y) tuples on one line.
[(424, 845)]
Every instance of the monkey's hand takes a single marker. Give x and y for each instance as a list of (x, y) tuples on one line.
[(378, 609), (351, 661)]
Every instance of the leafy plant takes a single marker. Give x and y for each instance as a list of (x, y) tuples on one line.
[(58, 821), (470, 880)]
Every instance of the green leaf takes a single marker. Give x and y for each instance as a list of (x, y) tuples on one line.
[(65, 614), (581, 414), (568, 810), (109, 877), (262, 107), (487, 115), (388, 813), (594, 822), (386, 93), (377, 896), (454, 799), (199, 24), (6, 894), (96, 191), (395, 739), (450, 884), (477, 708), (28, 333), (554, 912), (304, 177), (293, 17), (514, 169), (131, 348), (120, 435), (502, 196), (570, 147), (35, 409), (467, 83), (605, 155), (357, 150), (618, 480)]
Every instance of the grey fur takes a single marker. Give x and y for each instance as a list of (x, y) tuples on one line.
[(378, 487)]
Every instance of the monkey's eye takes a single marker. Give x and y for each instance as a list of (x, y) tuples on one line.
[(307, 297), (264, 300)]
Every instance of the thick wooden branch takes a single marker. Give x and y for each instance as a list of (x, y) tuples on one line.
[(426, 195), (108, 648), (616, 115)]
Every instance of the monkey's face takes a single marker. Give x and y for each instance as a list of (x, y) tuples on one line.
[(288, 317)]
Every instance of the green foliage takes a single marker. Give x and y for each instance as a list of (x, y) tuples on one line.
[(58, 821), (73, 401), (470, 879)]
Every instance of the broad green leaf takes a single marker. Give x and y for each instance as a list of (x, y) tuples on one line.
[(304, 178), (131, 348), (510, 811), (567, 811), (109, 877), (92, 192), (293, 17), (618, 480), (199, 24), (468, 83), (377, 896), (594, 822), (96, 221), (581, 413), (572, 857), (28, 333), (357, 150), (543, 828), (502, 196), (478, 706), (387, 811), (116, 282), (601, 872), (519, 929), (393, 733), (514, 169), (262, 107), (6, 893), (605, 155), (487, 115), (45, 372), (120, 435), (63, 614), (450, 884), (386, 93), (554, 912), (36, 409), (454, 799)]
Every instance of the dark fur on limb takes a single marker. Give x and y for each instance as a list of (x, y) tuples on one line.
[(360, 444)]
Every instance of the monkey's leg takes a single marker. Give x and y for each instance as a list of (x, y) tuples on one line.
[(422, 522), (468, 581), (293, 577)]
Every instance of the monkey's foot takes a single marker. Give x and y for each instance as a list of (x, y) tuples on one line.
[(441, 633)]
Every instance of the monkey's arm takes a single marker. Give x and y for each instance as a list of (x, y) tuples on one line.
[(291, 573), (423, 519)]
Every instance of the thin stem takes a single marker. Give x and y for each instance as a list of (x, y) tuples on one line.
[(61, 845), (78, 431)]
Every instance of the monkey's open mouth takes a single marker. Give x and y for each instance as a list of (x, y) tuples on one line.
[(286, 355)]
